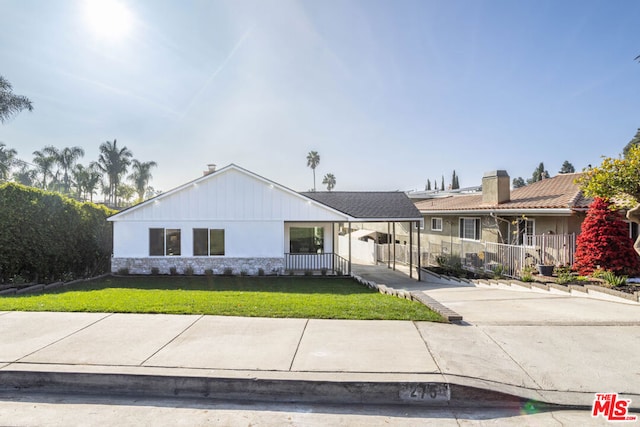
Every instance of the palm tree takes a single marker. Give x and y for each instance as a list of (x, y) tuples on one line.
[(10, 103), (93, 179), (330, 181), (25, 175), (141, 176), (114, 163), (45, 161), (67, 158), (7, 158), (313, 160)]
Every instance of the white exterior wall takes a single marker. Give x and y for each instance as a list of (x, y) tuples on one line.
[(243, 239), (252, 211)]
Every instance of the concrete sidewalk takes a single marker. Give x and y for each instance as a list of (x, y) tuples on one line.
[(545, 348)]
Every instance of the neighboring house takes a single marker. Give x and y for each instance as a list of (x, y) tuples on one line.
[(553, 206), (235, 220)]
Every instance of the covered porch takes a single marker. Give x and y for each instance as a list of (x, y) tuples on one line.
[(333, 247)]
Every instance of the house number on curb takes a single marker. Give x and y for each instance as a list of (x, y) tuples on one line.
[(425, 392)]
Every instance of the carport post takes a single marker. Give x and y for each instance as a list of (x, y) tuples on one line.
[(349, 230), (394, 246), (419, 254), (388, 244), (410, 250)]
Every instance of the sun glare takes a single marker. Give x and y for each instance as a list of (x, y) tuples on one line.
[(108, 19)]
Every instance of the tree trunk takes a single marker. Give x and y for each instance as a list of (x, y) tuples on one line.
[(634, 216)]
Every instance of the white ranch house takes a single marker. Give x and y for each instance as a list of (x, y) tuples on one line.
[(233, 220)]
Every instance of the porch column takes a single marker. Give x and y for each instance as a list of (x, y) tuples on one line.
[(394, 246), (410, 250), (419, 254), (349, 230), (388, 244), (334, 248)]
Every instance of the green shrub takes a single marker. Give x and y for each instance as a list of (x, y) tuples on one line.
[(564, 277), (123, 271), (308, 273), (208, 272), (173, 271), (261, 272), (527, 274), (155, 271), (498, 271), (244, 273), (188, 271), (228, 271), (613, 280), (45, 236)]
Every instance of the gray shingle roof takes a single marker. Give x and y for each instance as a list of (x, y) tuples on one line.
[(383, 205)]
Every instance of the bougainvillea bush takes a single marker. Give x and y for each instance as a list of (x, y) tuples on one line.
[(604, 242)]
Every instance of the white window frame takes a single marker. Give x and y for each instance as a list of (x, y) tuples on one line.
[(418, 225), (477, 227), (436, 228), (524, 235)]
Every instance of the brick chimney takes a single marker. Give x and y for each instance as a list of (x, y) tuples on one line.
[(211, 168), (496, 187)]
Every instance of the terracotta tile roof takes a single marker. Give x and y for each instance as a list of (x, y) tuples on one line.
[(558, 192), (369, 204)]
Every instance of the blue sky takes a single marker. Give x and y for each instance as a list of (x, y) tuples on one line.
[(390, 93)]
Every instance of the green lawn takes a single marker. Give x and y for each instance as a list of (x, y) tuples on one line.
[(298, 297)]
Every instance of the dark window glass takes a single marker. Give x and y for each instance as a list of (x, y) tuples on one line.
[(306, 240), (156, 241), (200, 242), (216, 242), (173, 242)]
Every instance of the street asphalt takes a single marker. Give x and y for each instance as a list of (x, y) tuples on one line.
[(538, 347)]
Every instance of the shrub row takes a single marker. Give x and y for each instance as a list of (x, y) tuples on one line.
[(46, 236)]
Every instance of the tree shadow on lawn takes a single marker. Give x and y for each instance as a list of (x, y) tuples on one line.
[(281, 284)]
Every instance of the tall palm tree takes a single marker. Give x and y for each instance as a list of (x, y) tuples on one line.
[(141, 176), (113, 161), (313, 160), (45, 162), (25, 175), (330, 181), (7, 158), (10, 103), (66, 159)]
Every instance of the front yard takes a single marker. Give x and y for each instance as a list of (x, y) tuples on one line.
[(294, 297)]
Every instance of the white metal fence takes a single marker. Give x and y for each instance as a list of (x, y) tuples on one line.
[(509, 259)]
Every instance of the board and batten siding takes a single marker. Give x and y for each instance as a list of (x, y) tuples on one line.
[(251, 210)]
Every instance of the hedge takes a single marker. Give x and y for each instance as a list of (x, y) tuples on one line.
[(46, 236)]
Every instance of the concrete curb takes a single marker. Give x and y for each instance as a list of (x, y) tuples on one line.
[(429, 394), (431, 303)]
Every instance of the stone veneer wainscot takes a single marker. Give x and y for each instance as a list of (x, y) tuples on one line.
[(249, 266)]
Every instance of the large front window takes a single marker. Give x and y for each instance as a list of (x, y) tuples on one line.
[(164, 242), (306, 240), (470, 228), (208, 242)]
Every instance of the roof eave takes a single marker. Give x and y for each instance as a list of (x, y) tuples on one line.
[(529, 211)]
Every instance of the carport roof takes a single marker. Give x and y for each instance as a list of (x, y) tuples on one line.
[(369, 205)]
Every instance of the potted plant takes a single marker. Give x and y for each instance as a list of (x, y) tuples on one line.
[(544, 268)]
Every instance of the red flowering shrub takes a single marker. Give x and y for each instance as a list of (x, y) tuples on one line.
[(604, 242)]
